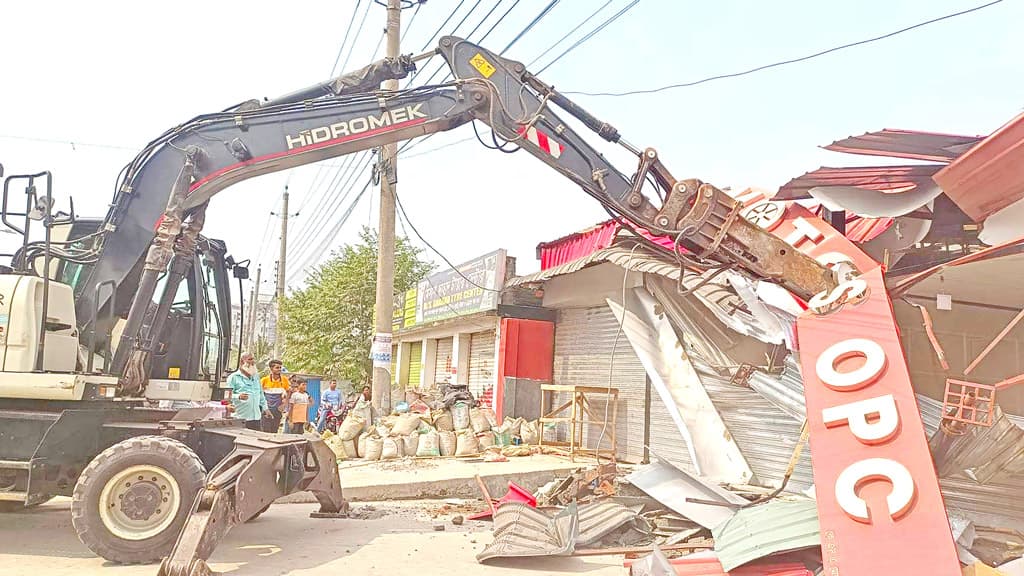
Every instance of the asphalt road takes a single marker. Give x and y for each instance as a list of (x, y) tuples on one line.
[(383, 539)]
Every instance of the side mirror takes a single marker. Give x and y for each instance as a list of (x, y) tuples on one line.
[(240, 272)]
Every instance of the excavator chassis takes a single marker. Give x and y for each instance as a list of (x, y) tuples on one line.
[(53, 449)]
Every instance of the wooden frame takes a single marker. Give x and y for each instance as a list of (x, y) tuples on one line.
[(580, 414)]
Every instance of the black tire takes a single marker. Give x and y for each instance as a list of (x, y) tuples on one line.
[(173, 458)]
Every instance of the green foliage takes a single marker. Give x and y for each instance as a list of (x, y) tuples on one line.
[(328, 325)]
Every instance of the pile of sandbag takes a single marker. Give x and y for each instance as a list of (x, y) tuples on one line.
[(459, 429)]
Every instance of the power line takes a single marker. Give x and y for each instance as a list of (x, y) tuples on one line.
[(792, 61), (323, 219), (547, 9), (457, 26), (342, 176), (344, 40), (337, 198), (471, 32), (530, 26), (344, 65), (337, 228), (591, 34), (569, 33), (73, 143), (401, 210), (407, 28), (442, 147)]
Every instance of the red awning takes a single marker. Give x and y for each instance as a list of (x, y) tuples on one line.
[(892, 179), (576, 245), (909, 144)]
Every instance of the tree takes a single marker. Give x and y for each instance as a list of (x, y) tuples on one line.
[(328, 325)]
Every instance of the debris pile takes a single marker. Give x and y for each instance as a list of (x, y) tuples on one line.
[(448, 424), (667, 521)]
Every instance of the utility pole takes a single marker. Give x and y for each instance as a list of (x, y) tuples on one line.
[(386, 231), (278, 333), (252, 313)]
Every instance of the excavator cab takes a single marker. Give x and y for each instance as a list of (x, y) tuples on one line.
[(194, 344)]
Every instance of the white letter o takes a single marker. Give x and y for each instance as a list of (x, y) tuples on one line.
[(875, 361)]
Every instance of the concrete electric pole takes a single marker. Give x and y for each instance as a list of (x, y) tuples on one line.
[(279, 333), (251, 342), (386, 233)]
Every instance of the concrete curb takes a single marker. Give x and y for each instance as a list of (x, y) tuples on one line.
[(460, 487)]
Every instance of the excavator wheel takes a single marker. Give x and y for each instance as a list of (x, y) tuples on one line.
[(131, 501)]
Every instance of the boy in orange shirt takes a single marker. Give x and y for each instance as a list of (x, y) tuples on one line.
[(298, 405)]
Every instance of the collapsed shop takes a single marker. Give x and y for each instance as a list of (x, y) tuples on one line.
[(706, 366)]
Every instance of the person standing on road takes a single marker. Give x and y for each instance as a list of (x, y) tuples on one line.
[(328, 398), (275, 387), (298, 407), (247, 394)]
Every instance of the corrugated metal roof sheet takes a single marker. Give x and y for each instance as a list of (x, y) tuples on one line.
[(990, 176), (765, 433), (640, 260), (785, 390), (909, 144), (983, 453), (676, 489), (906, 283), (859, 229), (884, 178), (765, 529), (1003, 497)]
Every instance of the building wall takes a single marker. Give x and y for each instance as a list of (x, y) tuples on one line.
[(963, 333), (588, 287)]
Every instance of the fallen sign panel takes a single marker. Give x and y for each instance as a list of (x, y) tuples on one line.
[(686, 494), (878, 497)]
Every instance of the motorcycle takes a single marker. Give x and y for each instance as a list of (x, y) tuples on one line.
[(333, 416)]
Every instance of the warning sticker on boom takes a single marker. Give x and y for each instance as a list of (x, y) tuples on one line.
[(482, 65)]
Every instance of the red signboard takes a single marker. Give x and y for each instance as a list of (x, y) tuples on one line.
[(879, 504)]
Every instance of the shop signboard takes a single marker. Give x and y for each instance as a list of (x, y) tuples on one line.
[(469, 288)]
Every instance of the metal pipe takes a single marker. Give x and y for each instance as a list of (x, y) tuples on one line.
[(47, 222), (603, 129), (995, 341)]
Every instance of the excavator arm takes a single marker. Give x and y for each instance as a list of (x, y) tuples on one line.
[(162, 196)]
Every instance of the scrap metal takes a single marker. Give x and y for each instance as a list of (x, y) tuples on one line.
[(766, 529), (712, 447), (685, 493), (521, 530), (983, 454)]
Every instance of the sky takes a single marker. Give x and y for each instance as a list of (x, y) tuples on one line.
[(111, 76)]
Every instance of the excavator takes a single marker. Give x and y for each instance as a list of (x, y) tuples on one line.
[(102, 318)]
